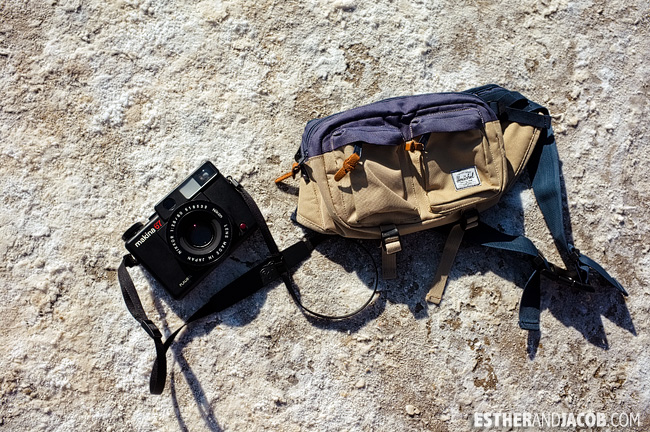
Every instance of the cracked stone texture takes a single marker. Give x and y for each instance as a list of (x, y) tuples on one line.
[(106, 106)]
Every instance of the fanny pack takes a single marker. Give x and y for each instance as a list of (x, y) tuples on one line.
[(406, 164)]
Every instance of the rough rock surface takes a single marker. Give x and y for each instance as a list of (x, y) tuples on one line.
[(107, 105)]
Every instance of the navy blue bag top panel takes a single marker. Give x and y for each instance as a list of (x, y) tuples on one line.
[(393, 121), (382, 135), (457, 120)]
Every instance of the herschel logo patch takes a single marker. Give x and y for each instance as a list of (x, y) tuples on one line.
[(466, 178)]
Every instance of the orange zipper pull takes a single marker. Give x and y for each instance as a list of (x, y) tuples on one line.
[(413, 145), (348, 165), (295, 169)]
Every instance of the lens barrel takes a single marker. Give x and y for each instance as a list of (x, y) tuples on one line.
[(199, 233)]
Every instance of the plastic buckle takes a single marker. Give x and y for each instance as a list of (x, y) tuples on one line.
[(564, 277), (270, 272), (574, 283), (469, 219), (390, 239), (151, 329)]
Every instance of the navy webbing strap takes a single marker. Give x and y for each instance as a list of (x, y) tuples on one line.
[(513, 106), (530, 305), (545, 174)]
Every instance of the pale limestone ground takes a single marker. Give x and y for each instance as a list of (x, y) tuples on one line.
[(107, 105)]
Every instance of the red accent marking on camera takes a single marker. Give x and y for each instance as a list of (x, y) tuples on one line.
[(243, 226), (158, 224)]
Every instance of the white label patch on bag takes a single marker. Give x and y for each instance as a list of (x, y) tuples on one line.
[(465, 178)]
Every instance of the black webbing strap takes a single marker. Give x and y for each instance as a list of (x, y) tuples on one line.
[(134, 306), (277, 265), (244, 286)]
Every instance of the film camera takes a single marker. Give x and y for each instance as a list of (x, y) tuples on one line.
[(194, 228)]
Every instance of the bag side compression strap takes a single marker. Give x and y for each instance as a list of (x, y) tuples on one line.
[(469, 220), (446, 262), (545, 175)]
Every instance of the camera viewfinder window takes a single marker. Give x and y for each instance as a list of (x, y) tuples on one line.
[(205, 174), (192, 186), (189, 188)]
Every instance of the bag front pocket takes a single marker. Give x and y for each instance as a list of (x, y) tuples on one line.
[(463, 159), (377, 191), (460, 165)]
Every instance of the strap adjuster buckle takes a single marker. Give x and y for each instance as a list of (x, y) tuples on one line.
[(151, 329), (390, 239), (565, 277), (469, 219), (272, 270)]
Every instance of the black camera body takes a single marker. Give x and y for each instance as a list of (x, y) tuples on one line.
[(193, 230)]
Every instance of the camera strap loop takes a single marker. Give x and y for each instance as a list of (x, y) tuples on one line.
[(293, 255)]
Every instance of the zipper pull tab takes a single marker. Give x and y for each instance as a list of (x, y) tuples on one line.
[(295, 169), (413, 145), (417, 144), (349, 164)]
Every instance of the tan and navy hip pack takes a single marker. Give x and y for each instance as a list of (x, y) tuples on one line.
[(406, 164)]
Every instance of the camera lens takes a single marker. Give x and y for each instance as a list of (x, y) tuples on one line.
[(199, 231), (199, 234)]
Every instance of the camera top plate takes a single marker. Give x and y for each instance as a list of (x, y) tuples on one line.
[(198, 181)]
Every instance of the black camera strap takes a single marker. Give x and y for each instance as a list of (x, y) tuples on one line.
[(278, 265), (239, 289)]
